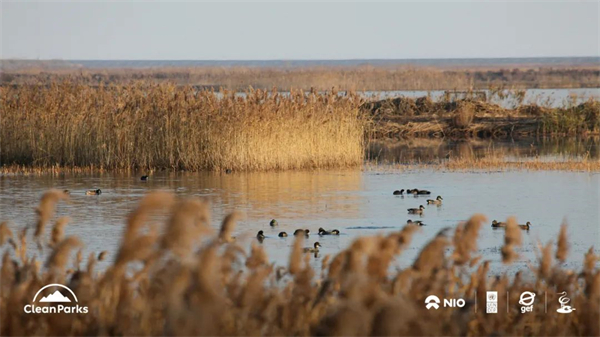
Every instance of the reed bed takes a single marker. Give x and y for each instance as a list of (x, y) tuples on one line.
[(183, 279), (147, 126), (356, 78)]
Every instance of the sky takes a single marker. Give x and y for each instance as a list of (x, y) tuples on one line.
[(145, 30)]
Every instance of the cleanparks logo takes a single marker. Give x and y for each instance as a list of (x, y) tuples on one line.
[(55, 297)]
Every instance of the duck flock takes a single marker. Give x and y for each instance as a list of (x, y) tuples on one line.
[(438, 201), (260, 236)]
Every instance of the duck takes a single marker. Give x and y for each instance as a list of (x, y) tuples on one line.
[(315, 248), (260, 236), (144, 178), (437, 201), (283, 235), (300, 231), (497, 224), (416, 210), (416, 222), (396, 192), (273, 223), (228, 171), (417, 191), (67, 192), (331, 232), (93, 192), (525, 226)]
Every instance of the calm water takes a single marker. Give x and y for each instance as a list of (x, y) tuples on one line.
[(355, 202), (436, 150)]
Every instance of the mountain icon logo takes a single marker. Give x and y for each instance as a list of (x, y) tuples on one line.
[(56, 296)]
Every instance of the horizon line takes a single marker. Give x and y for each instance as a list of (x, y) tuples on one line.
[(315, 59)]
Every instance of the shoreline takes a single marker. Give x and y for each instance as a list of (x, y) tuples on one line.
[(454, 165)]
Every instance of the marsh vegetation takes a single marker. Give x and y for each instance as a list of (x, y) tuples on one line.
[(181, 278), (169, 127), (163, 126)]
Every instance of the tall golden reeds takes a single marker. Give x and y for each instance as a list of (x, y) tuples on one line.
[(144, 126)]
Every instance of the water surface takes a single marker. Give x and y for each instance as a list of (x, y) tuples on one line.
[(355, 202)]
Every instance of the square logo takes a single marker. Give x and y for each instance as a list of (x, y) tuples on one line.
[(491, 298)]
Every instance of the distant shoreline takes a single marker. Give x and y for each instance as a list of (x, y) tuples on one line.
[(461, 63), (311, 77)]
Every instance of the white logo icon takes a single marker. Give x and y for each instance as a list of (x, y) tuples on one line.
[(55, 297), (563, 300), (491, 302), (526, 300), (432, 301)]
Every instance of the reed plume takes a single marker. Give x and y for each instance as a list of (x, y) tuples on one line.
[(465, 239), (227, 227), (5, 233), (512, 238), (562, 246), (58, 231), (46, 209)]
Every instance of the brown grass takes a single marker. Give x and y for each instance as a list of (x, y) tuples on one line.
[(217, 289), (357, 78), (163, 126)]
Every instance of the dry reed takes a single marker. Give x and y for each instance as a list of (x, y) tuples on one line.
[(164, 126), (216, 291), (371, 78)]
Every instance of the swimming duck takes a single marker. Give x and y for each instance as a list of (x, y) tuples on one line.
[(301, 231), (144, 178), (273, 223), (437, 201), (313, 250), (525, 226), (416, 210), (93, 192), (283, 235), (66, 192), (417, 191), (396, 192), (497, 224), (260, 236), (416, 222), (331, 232)]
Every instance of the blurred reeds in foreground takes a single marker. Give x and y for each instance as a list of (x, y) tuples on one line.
[(164, 126), (186, 280)]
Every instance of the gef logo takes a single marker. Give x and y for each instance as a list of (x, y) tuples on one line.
[(55, 297)]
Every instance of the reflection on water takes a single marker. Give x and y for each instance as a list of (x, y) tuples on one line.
[(355, 202), (436, 150)]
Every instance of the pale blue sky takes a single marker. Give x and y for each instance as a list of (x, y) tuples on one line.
[(308, 30)]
